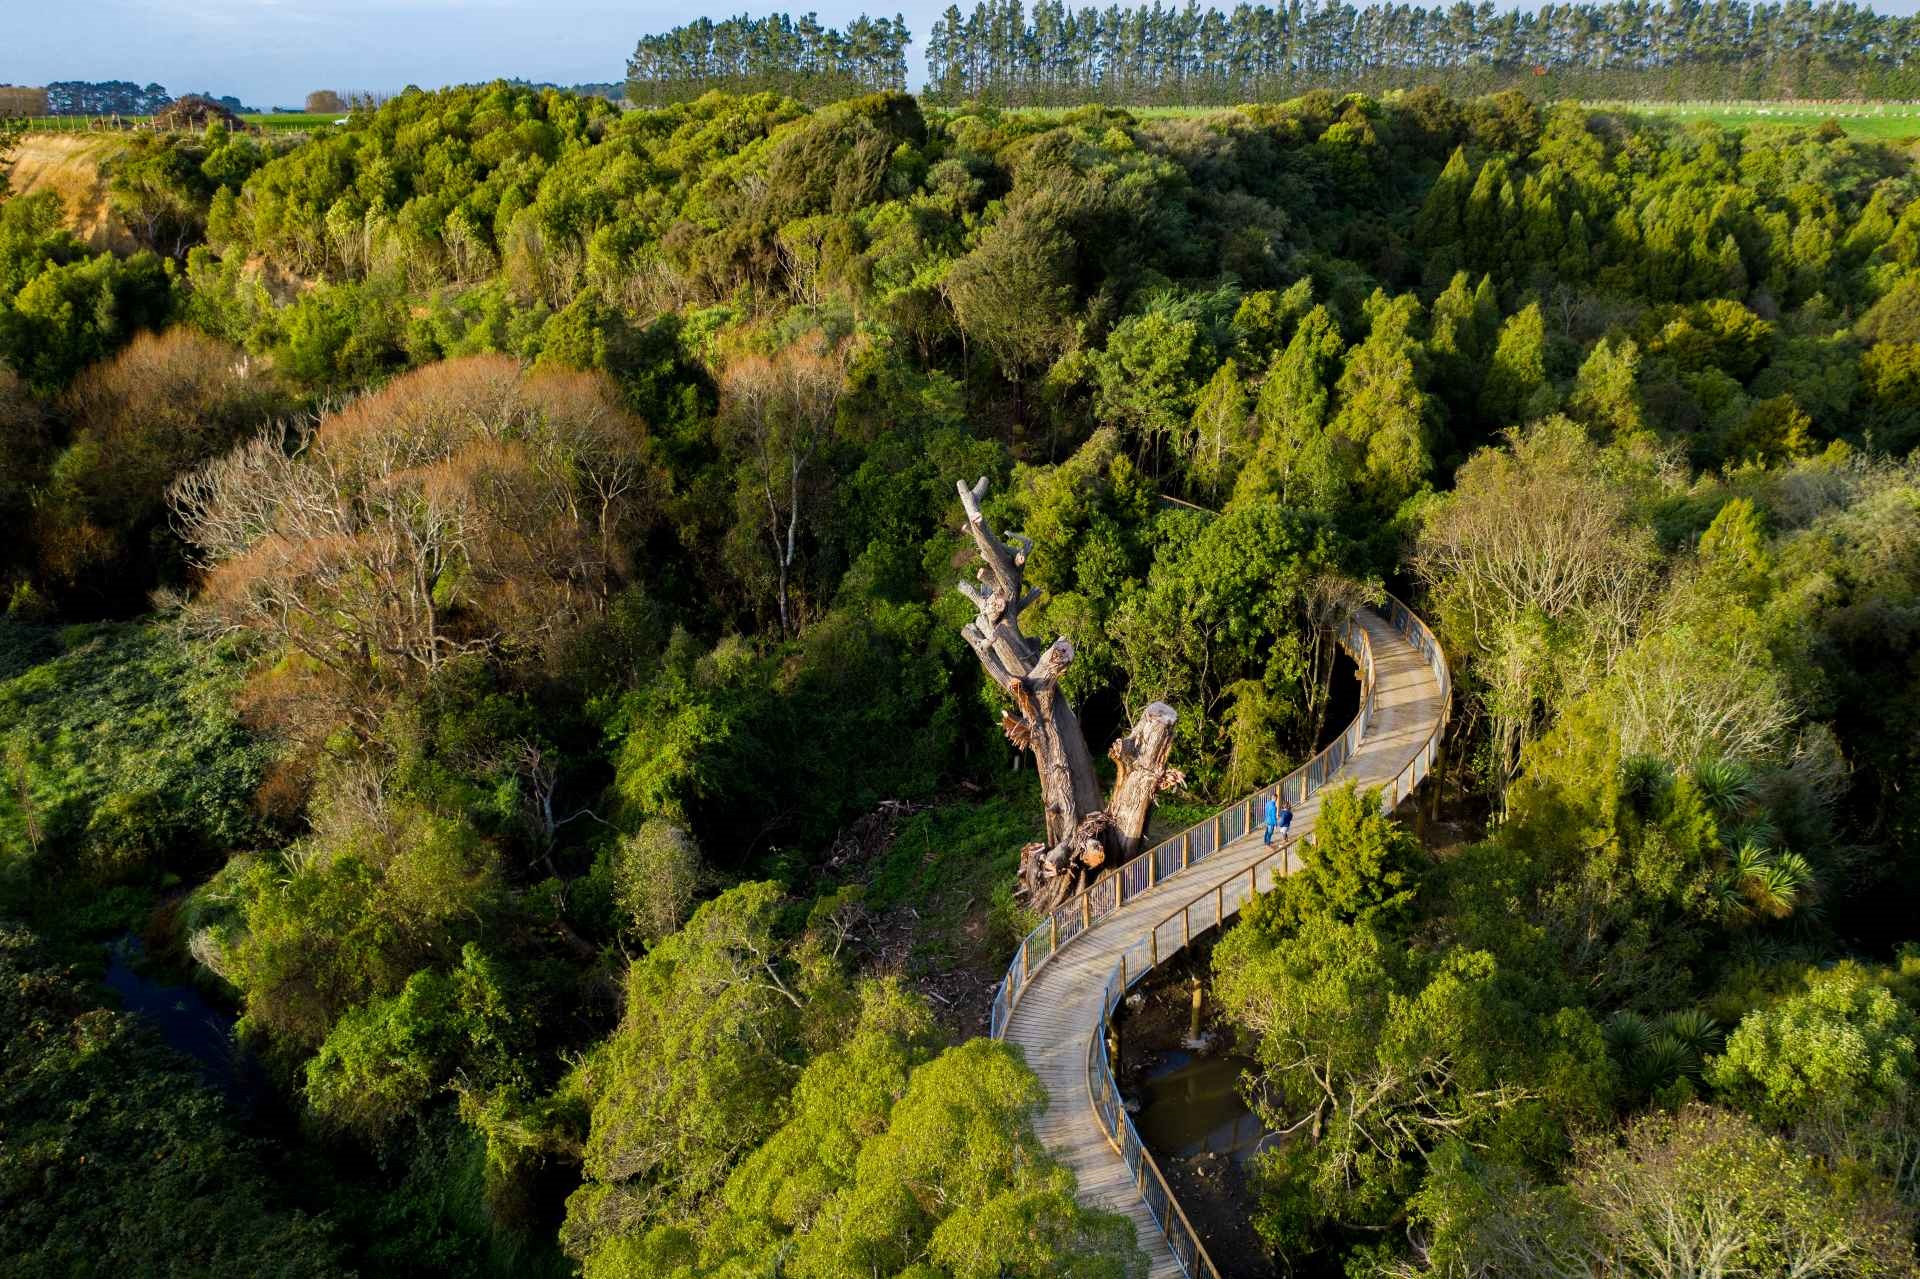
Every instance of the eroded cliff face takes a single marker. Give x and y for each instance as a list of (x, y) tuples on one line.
[(70, 166)]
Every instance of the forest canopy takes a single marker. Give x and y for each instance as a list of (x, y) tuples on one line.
[(480, 609)]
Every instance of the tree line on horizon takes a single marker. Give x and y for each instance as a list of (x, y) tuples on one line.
[(1051, 54), (795, 56)]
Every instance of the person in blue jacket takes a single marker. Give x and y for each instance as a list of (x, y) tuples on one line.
[(1286, 822), (1273, 815)]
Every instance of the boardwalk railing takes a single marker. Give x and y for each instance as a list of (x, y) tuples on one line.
[(1213, 909), (1191, 846)]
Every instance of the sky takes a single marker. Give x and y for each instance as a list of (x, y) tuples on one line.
[(272, 52)]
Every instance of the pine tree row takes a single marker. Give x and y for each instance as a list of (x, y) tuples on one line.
[(796, 56), (1051, 53)]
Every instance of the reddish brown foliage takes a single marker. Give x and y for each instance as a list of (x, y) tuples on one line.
[(466, 507)]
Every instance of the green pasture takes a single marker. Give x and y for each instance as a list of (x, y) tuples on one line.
[(1880, 120)]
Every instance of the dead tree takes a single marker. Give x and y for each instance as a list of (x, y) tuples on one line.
[(1082, 836)]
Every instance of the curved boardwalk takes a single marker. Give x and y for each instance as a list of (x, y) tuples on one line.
[(1061, 1006)]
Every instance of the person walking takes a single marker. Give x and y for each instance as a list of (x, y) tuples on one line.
[(1286, 822), (1272, 815)]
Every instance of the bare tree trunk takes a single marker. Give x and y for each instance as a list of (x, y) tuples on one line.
[(1142, 759), (1082, 837), (1042, 720)]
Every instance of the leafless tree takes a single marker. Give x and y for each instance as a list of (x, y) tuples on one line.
[(778, 411), (468, 507)]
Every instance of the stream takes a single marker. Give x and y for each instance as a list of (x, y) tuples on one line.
[(186, 1021), (1190, 1104), (1192, 1116)]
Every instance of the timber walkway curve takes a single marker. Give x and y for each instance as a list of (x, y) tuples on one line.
[(1072, 971)]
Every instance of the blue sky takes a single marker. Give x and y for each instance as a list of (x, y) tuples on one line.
[(271, 52)]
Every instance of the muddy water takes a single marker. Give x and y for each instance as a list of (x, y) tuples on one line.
[(1192, 1116)]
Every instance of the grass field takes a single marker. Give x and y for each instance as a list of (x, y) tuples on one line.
[(1882, 120), (1878, 120)]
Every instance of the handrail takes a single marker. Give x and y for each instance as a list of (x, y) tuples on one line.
[(1115, 1123), (1186, 848)]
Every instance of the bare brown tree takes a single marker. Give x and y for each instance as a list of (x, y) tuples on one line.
[(467, 507)]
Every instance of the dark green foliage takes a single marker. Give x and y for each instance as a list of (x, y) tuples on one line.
[(60, 312), (747, 55), (1052, 53), (117, 1157), (1359, 869)]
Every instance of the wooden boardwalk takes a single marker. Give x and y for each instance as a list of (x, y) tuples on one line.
[(1060, 1008)]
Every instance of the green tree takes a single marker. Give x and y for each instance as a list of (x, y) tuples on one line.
[(656, 875), (1360, 868), (1385, 415), (713, 1036), (1294, 461), (387, 1058), (1835, 1064), (1222, 431), (1516, 388), (1440, 219), (1606, 391)]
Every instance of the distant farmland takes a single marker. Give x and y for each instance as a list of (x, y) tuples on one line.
[(1861, 119), (1880, 120)]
